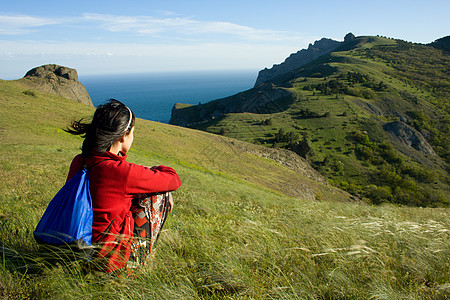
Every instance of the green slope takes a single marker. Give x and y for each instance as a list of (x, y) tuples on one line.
[(233, 232), (340, 104)]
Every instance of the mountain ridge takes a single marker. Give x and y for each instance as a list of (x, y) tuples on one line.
[(298, 59), (388, 97)]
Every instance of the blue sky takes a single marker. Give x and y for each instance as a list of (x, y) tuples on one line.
[(107, 37)]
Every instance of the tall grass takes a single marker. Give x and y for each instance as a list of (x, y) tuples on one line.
[(230, 235), (250, 244)]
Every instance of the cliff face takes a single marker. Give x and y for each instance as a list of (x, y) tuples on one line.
[(58, 80), (296, 60)]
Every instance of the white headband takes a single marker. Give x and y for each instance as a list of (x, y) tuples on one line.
[(131, 118)]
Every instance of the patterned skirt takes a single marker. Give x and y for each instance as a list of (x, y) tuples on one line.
[(149, 212)]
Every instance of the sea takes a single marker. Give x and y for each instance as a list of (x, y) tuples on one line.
[(151, 96)]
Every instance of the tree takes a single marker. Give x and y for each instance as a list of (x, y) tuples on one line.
[(267, 122)]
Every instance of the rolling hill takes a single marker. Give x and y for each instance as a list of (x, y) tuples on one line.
[(372, 116)]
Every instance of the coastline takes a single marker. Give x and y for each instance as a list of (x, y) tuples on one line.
[(152, 95)]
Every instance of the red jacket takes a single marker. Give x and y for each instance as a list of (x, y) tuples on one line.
[(112, 182)]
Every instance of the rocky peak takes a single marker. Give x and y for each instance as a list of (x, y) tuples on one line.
[(53, 72), (58, 80), (349, 37), (298, 59)]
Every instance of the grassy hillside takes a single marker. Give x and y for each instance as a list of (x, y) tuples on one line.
[(244, 227), (340, 106)]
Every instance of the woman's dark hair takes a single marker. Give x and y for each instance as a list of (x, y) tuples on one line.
[(111, 121)]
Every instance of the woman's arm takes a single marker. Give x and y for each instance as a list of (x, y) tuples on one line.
[(151, 180)]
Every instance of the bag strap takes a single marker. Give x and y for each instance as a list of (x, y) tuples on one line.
[(84, 166), (99, 162)]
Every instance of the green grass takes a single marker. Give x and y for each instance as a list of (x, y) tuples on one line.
[(233, 233)]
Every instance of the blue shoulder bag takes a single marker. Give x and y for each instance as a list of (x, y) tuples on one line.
[(68, 217)]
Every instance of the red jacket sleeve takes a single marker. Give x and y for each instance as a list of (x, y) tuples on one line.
[(151, 180)]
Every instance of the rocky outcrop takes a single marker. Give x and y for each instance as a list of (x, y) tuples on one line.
[(58, 80), (409, 136), (296, 60), (302, 148), (349, 37)]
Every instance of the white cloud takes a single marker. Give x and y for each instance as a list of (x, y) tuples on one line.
[(14, 25), (169, 27), (144, 25), (187, 27)]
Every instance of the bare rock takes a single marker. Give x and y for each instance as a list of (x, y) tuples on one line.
[(409, 136), (302, 148), (58, 80)]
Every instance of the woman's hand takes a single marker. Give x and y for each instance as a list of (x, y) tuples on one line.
[(170, 202)]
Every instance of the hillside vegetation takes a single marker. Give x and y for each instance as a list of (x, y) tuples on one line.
[(372, 116), (243, 227)]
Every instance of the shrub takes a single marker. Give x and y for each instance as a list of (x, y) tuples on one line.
[(353, 92), (267, 122), (391, 156), (364, 152), (367, 93), (378, 194), (30, 93)]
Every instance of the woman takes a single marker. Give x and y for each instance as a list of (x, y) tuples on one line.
[(114, 183)]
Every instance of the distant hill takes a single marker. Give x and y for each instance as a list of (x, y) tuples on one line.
[(372, 115), (266, 98)]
